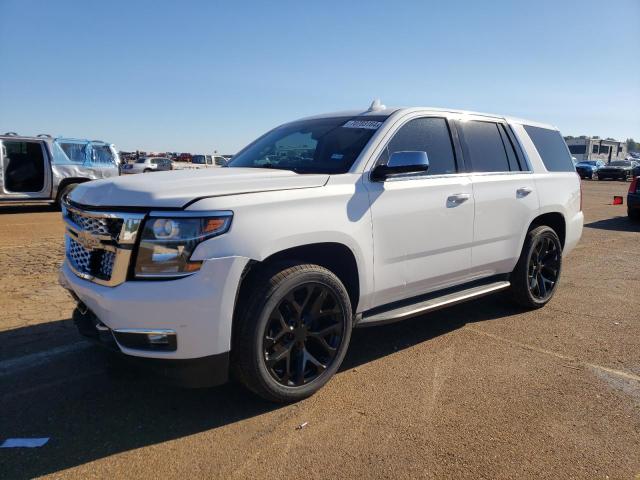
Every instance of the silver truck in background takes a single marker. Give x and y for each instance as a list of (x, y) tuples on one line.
[(43, 169)]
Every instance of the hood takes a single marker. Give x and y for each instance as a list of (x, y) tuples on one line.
[(174, 189)]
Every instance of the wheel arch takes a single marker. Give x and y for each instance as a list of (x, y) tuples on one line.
[(66, 182), (554, 220), (335, 257)]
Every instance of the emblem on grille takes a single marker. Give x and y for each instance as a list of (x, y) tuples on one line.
[(87, 240)]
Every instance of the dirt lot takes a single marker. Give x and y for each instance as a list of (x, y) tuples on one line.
[(481, 390)]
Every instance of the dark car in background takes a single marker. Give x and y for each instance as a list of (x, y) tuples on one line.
[(589, 168), (617, 170), (633, 199)]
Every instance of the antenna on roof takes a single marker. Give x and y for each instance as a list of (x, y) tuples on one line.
[(376, 106)]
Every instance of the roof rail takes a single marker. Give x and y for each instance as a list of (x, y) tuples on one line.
[(44, 135), (11, 134)]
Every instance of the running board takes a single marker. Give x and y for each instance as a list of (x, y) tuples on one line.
[(431, 304)]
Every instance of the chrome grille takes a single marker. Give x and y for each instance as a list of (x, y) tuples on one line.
[(97, 263), (99, 244), (96, 225), (79, 256)]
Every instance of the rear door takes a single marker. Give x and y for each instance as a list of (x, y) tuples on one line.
[(25, 172), (504, 192)]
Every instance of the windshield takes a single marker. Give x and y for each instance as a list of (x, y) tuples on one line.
[(621, 163), (197, 159), (326, 145)]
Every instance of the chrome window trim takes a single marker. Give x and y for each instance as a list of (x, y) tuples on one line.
[(454, 175)]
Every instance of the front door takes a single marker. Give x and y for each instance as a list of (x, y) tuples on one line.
[(422, 223), (25, 170)]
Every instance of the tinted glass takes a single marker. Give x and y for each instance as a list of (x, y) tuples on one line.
[(578, 149), (514, 164), (484, 147), (326, 145), (621, 163), (429, 135), (552, 149)]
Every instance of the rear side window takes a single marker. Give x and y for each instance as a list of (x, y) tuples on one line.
[(552, 149), (485, 147), (429, 135)]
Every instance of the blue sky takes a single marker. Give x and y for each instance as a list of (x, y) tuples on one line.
[(202, 75)]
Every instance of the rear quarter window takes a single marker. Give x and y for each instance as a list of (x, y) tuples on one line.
[(552, 148)]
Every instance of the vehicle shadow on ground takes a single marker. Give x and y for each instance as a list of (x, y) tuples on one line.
[(618, 224), (92, 415)]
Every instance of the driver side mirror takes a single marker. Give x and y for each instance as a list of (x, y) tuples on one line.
[(401, 162)]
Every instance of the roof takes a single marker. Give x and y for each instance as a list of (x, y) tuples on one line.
[(388, 111)]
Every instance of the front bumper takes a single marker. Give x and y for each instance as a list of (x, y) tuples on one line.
[(612, 173), (199, 308), (584, 173), (192, 373)]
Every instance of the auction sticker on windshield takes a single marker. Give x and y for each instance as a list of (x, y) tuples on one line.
[(368, 124)]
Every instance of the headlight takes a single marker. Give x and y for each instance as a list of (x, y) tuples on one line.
[(167, 242)]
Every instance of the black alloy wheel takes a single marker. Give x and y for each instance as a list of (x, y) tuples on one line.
[(302, 334), (543, 268), (535, 277)]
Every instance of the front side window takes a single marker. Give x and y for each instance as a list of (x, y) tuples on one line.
[(325, 145), (484, 146), (198, 159), (430, 135), (552, 149)]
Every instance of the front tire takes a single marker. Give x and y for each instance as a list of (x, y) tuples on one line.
[(534, 280), (292, 332)]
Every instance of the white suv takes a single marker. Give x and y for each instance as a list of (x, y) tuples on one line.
[(321, 225)]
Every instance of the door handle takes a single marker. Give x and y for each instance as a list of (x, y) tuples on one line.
[(457, 199), (523, 192)]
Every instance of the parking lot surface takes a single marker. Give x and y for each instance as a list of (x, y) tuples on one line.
[(481, 390)]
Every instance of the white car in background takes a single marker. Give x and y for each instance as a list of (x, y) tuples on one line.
[(148, 164), (208, 161)]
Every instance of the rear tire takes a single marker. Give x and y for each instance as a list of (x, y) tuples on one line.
[(293, 328), (535, 278)]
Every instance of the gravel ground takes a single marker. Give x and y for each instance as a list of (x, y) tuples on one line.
[(481, 390)]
